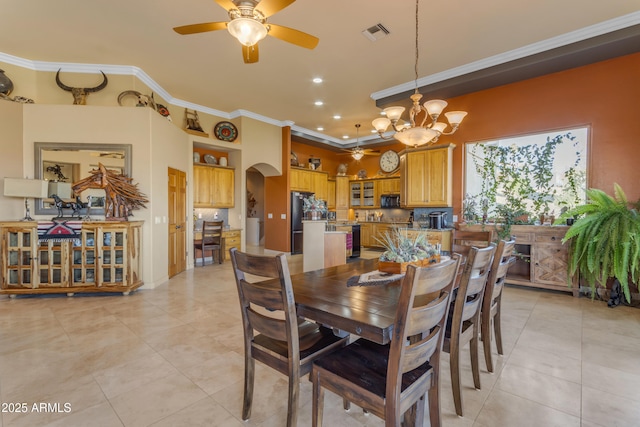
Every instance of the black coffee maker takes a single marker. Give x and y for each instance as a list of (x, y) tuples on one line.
[(438, 220)]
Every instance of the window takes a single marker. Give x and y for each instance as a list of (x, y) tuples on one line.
[(536, 174)]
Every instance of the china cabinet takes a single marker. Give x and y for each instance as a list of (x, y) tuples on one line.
[(104, 257)]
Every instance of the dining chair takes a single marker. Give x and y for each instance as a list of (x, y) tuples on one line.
[(273, 332), (211, 240), (492, 299), (462, 240), (463, 325), (388, 380)]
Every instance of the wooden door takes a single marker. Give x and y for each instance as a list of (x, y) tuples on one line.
[(177, 221)]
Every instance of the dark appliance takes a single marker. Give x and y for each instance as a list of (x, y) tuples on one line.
[(390, 201), (438, 220), (355, 240), (297, 215)]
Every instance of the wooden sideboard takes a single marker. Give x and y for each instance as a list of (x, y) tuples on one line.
[(104, 257), (541, 259)]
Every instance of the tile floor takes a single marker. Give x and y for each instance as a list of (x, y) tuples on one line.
[(172, 356)]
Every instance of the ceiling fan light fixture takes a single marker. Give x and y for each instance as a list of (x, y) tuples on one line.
[(357, 154), (248, 31)]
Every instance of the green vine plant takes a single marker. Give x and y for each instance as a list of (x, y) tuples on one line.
[(605, 240)]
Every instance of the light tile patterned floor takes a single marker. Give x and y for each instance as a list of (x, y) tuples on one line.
[(172, 356)]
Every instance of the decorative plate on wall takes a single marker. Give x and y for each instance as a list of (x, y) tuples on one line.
[(225, 131)]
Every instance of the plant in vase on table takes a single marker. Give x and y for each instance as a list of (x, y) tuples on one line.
[(314, 208), (402, 250)]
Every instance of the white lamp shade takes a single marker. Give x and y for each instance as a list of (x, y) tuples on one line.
[(394, 113), (21, 187), (357, 154), (435, 107), (455, 117), (61, 189), (381, 124), (248, 31), (439, 126), (416, 136)]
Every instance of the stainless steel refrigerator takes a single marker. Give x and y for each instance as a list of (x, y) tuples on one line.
[(297, 215)]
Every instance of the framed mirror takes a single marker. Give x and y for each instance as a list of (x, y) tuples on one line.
[(63, 163)]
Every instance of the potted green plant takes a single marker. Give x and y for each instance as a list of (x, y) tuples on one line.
[(402, 250), (605, 240)]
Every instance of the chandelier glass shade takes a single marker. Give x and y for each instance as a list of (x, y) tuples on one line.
[(423, 126), (357, 153), (248, 31)]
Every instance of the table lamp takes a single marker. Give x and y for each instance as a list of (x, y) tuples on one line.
[(21, 187)]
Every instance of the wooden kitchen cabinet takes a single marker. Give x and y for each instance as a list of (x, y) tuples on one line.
[(213, 186), (342, 192), (427, 177), (365, 234), (300, 180), (104, 258), (319, 185), (363, 194), (232, 239), (331, 194), (389, 186)]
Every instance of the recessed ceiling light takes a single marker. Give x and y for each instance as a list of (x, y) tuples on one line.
[(320, 128), (319, 103), (383, 113), (317, 80), (337, 116), (374, 131), (345, 136)]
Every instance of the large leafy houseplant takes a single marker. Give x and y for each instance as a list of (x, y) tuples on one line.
[(605, 240)]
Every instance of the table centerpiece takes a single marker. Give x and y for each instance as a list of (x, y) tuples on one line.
[(403, 250), (314, 208)]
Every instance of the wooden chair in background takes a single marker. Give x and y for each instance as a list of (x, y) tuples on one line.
[(273, 333), (462, 241), (387, 380), (492, 300), (463, 325), (211, 240)]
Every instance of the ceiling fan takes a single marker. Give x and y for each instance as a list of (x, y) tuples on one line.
[(357, 152), (249, 25)]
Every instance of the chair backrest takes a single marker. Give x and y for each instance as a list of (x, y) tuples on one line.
[(212, 232), (266, 298), (462, 241), (502, 260), (421, 317), (472, 285)]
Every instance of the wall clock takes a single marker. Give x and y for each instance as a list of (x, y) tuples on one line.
[(389, 161), (225, 131)]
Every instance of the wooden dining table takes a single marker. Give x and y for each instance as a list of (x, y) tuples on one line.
[(367, 311)]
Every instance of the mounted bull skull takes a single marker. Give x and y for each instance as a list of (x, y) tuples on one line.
[(80, 93)]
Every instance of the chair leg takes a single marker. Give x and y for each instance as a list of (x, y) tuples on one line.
[(249, 374), (486, 342), (294, 393), (434, 405), (475, 360), (497, 329), (318, 401), (454, 365)]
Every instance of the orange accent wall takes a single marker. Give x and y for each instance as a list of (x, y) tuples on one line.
[(604, 96), (277, 231)]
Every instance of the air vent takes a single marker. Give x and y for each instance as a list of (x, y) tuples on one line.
[(376, 32)]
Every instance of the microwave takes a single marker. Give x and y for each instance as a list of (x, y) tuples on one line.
[(390, 201)]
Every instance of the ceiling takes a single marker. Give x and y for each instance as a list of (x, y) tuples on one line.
[(464, 46)]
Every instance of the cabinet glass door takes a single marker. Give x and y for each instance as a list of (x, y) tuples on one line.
[(113, 263), (51, 262), (355, 190), (83, 263), (19, 256), (368, 196)]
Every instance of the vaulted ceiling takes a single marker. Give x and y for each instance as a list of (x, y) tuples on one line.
[(464, 46)]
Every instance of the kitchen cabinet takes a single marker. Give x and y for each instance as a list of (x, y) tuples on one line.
[(365, 234), (309, 181), (427, 177), (363, 194), (104, 258), (389, 186), (213, 186), (331, 194), (541, 258), (232, 239), (319, 185), (342, 192)]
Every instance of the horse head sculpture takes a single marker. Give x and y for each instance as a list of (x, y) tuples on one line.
[(80, 93)]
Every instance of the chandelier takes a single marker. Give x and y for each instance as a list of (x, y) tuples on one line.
[(428, 129), (357, 153)]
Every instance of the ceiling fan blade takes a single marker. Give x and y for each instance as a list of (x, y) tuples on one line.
[(226, 4), (269, 7), (200, 28), (293, 36), (250, 54)]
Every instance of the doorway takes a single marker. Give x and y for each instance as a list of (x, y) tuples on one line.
[(255, 207), (177, 221)]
